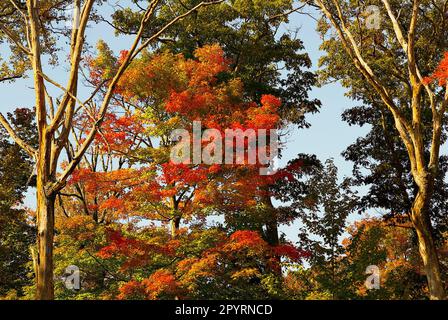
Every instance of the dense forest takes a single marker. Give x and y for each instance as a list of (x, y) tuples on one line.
[(153, 166)]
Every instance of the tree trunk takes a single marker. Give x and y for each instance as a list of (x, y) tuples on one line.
[(175, 224), (422, 224), (271, 224), (272, 230), (175, 220), (45, 235)]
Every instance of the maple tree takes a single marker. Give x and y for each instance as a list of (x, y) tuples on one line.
[(167, 92), (227, 268), (162, 92), (268, 58), (127, 261)]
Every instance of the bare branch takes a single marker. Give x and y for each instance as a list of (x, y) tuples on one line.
[(404, 44), (349, 43), (10, 78), (77, 44), (69, 93), (287, 13), (55, 187)]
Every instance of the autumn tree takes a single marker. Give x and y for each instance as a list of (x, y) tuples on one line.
[(394, 65), (159, 93), (393, 250), (368, 241), (167, 92), (199, 264), (267, 59), (55, 118)]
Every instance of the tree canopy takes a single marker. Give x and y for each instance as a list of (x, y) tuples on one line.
[(149, 168)]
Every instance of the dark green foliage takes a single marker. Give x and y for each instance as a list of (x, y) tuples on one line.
[(16, 234)]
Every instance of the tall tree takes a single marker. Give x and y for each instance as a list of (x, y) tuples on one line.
[(267, 58), (393, 63), (160, 93)]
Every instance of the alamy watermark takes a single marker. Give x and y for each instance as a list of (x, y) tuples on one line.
[(237, 146), (373, 20), (71, 278), (373, 280), (73, 13)]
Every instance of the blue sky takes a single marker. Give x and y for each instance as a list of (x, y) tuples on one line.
[(327, 137)]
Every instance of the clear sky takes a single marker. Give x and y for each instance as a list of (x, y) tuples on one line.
[(327, 137)]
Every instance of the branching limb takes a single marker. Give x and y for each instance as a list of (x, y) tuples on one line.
[(25, 146), (133, 52), (14, 39)]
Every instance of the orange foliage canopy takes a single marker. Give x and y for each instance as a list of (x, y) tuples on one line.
[(228, 257), (168, 91)]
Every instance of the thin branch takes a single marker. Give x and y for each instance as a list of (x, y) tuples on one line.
[(287, 13), (169, 24), (14, 39), (404, 44), (18, 9), (48, 79), (25, 146), (9, 78)]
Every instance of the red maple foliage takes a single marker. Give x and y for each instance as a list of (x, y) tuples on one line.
[(441, 73)]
